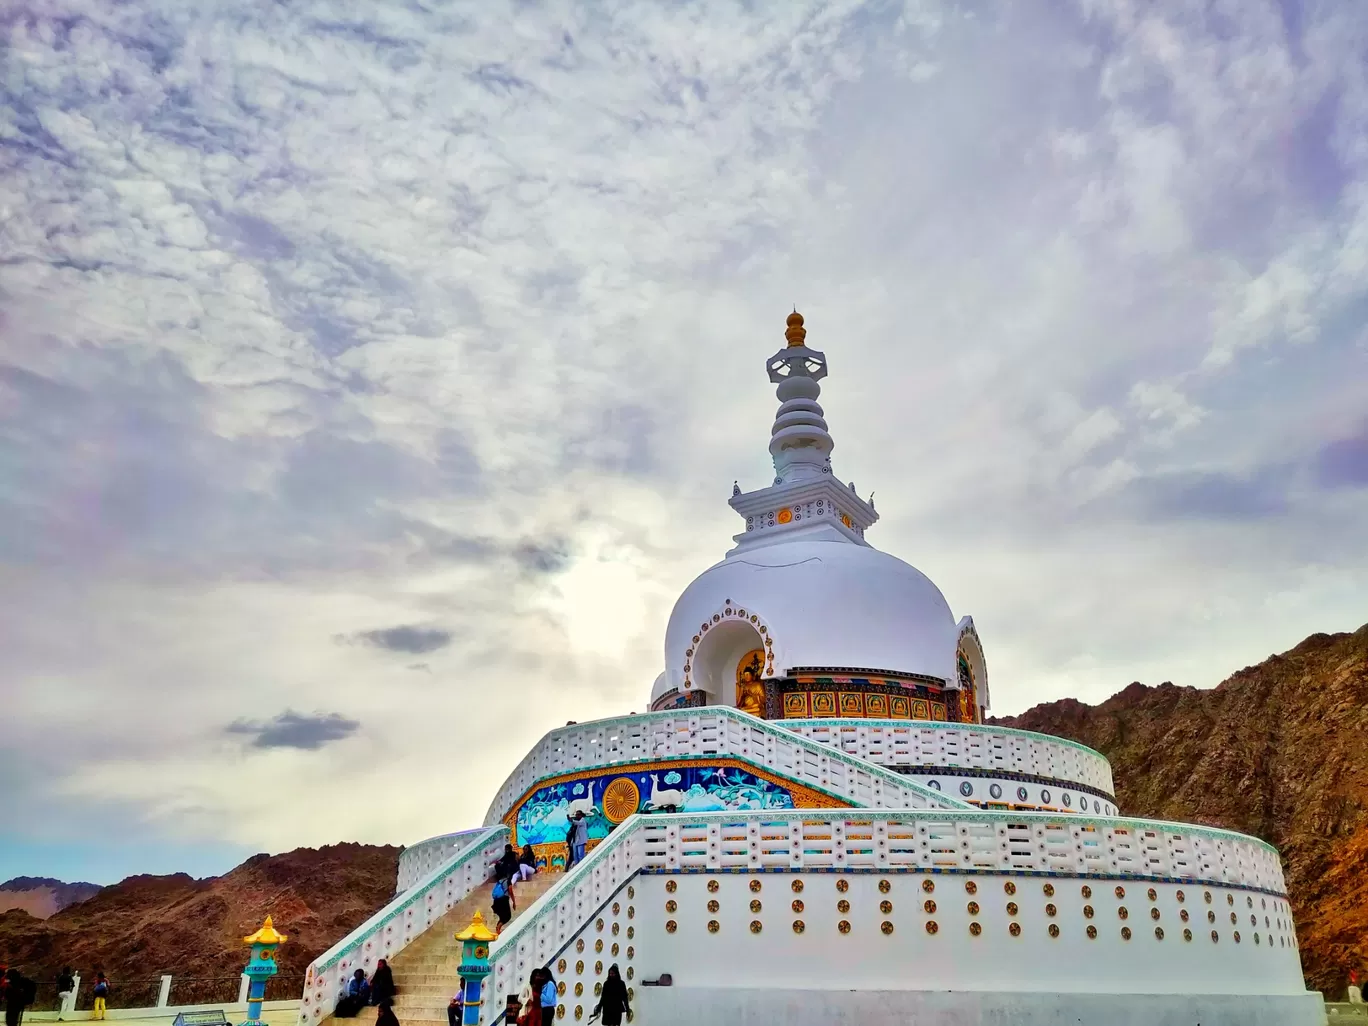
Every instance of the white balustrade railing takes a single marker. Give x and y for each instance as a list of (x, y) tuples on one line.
[(400, 922), (902, 744), (418, 860), (713, 731), (885, 840)]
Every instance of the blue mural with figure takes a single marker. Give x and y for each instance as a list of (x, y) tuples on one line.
[(609, 798)]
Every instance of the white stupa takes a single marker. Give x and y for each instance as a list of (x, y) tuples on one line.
[(813, 822)]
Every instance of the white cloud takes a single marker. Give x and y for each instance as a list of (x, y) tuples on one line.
[(322, 322)]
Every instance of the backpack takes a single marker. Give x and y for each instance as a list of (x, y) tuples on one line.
[(500, 891), (101, 988)]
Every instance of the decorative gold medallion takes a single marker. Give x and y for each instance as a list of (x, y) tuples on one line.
[(1087, 891), (560, 967), (931, 926), (616, 908), (886, 927), (843, 885), (1054, 929), (1122, 912), (1011, 908), (1014, 929), (1154, 913), (755, 906), (560, 988), (928, 886), (1009, 887), (798, 926), (797, 886), (1153, 894), (1049, 890), (579, 945), (885, 886), (1181, 897), (886, 907), (1092, 932), (1050, 910), (755, 926), (714, 926), (843, 926), (1187, 935), (598, 968), (1120, 893), (797, 906), (755, 886), (1125, 933), (1158, 933), (713, 905), (843, 906), (671, 926), (713, 885), (598, 947), (579, 967), (671, 886), (579, 990), (972, 908), (599, 925), (975, 929), (1087, 911), (970, 887)]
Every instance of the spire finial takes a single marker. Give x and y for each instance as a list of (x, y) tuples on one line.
[(795, 332)]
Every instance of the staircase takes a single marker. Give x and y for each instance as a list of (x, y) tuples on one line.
[(425, 971)]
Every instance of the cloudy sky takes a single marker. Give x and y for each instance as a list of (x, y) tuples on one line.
[(374, 375)]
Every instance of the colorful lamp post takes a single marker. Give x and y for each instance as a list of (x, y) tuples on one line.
[(260, 968), (474, 967)]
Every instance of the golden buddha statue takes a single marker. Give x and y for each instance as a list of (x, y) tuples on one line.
[(750, 689)]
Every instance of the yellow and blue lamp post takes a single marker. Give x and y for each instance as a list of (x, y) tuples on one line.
[(260, 968), (474, 967)]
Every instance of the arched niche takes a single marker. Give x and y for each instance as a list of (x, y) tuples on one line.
[(718, 656)]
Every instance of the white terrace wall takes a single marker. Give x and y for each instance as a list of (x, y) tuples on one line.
[(418, 860), (913, 901), (1003, 752), (712, 731)]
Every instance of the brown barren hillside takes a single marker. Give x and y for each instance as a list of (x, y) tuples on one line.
[(1280, 751), (41, 896), (148, 925)]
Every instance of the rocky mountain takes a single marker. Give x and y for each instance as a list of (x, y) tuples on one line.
[(1280, 751), (41, 896), (148, 925)]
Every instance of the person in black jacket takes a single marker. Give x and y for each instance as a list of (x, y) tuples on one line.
[(66, 985), (382, 989), (612, 1003), (18, 994)]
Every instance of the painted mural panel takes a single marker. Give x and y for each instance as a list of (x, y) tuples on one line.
[(609, 798)]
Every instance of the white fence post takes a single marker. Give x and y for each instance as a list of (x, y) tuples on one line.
[(164, 995), (242, 989)]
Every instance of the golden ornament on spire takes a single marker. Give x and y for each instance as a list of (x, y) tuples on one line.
[(266, 935), (795, 333), (477, 931)]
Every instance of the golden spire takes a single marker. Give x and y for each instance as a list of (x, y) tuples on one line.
[(266, 935), (795, 333), (477, 931)]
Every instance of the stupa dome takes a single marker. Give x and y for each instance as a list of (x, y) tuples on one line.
[(828, 604)]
